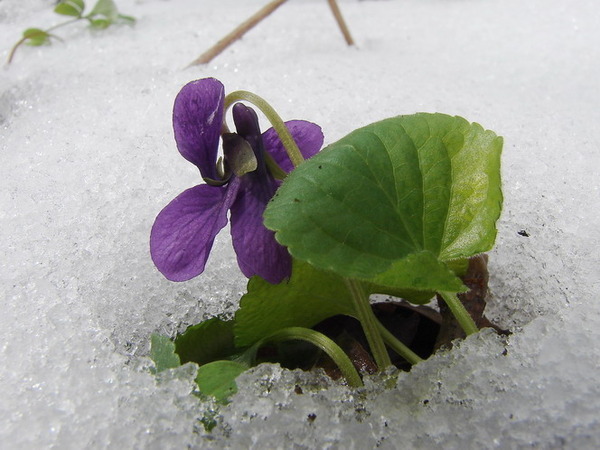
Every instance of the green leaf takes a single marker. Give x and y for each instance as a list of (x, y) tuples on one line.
[(218, 378), (424, 273), (421, 271), (70, 8), (36, 36), (407, 193), (103, 14), (162, 352), (206, 342), (458, 266), (309, 297), (100, 23)]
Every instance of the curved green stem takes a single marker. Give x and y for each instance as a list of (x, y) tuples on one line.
[(321, 341), (398, 346), (47, 31), (286, 138), (62, 24), (366, 317), (274, 168), (458, 309)]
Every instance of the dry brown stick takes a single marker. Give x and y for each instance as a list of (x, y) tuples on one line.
[(237, 33), (340, 20), (241, 29)]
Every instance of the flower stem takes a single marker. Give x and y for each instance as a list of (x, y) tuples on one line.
[(369, 322), (286, 138), (321, 341), (462, 315), (398, 346)]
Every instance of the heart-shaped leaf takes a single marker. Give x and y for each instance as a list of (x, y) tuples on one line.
[(36, 37), (106, 9), (72, 8), (410, 192)]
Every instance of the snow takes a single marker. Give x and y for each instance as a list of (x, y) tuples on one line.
[(88, 160)]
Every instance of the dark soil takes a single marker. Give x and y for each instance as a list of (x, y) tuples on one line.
[(423, 329)]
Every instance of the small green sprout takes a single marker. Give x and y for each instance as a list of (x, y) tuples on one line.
[(103, 14)]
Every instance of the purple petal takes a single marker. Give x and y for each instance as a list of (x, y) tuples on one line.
[(184, 231), (246, 121), (308, 137), (257, 251), (197, 120), (247, 126)]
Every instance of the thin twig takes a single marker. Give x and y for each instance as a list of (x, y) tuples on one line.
[(340, 21), (241, 29), (237, 33)]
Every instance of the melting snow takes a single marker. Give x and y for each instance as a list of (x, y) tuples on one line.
[(88, 160)]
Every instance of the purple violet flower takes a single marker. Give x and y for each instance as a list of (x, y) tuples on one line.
[(184, 231)]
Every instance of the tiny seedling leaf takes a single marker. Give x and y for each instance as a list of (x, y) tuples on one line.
[(36, 36), (218, 379), (206, 342), (410, 192), (100, 23), (162, 352), (72, 8), (105, 11)]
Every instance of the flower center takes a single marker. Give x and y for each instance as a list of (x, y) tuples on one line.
[(239, 155)]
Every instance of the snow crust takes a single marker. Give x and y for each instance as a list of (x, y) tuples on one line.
[(88, 160)]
